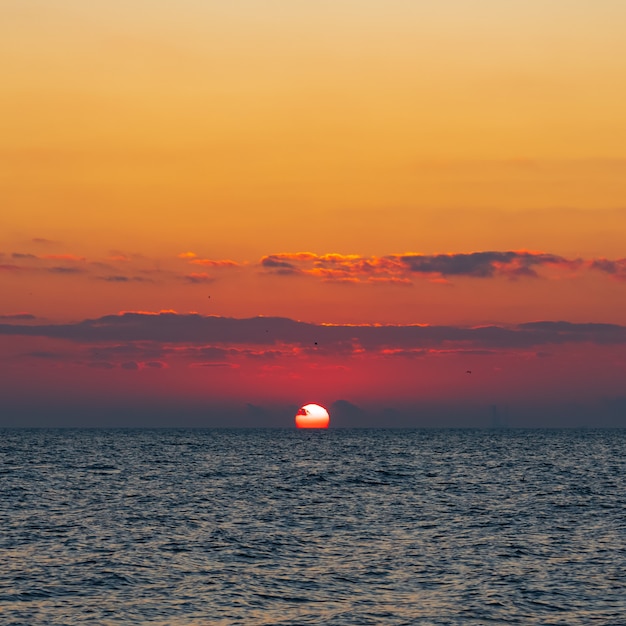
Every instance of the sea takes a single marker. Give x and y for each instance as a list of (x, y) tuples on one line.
[(339, 526)]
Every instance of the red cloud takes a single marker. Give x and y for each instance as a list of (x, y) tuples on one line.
[(198, 278)]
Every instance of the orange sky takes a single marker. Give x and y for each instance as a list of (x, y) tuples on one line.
[(134, 132), (368, 127)]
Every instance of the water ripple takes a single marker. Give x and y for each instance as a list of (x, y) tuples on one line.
[(198, 527)]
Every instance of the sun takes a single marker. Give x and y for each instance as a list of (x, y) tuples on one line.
[(312, 416)]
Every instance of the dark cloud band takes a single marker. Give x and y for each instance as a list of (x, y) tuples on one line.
[(194, 329)]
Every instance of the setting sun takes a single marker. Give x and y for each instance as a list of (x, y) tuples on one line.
[(312, 416)]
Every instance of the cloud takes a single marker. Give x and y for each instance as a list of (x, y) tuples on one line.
[(400, 268), (219, 263), (208, 353), (135, 351), (101, 365), (116, 278), (212, 364), (65, 270), (19, 317), (42, 264), (348, 269), (45, 354), (64, 257), (120, 278), (616, 268), (279, 265), (43, 241), (569, 332), (334, 267), (483, 264), (198, 278), (214, 332)]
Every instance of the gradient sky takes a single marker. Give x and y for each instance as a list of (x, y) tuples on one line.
[(405, 191)]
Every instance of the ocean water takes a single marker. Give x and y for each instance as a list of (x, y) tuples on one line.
[(295, 527)]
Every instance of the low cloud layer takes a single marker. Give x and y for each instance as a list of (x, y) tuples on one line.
[(198, 330), (22, 317)]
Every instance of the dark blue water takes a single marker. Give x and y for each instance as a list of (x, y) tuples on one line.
[(308, 527)]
